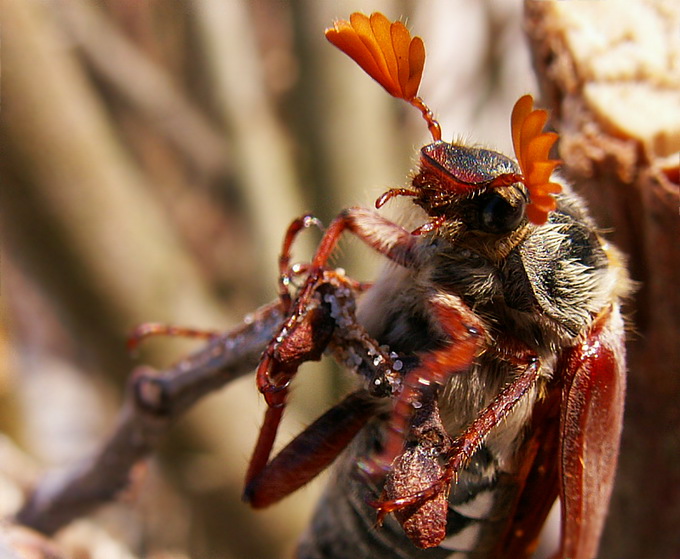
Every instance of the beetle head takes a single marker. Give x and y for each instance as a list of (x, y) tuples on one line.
[(480, 187), (388, 53)]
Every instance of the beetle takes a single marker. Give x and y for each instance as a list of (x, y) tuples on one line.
[(498, 329)]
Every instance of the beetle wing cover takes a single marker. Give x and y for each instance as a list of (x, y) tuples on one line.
[(574, 447), (385, 50), (591, 422), (538, 480)]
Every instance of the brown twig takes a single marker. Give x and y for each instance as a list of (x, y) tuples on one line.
[(154, 400), (145, 86)]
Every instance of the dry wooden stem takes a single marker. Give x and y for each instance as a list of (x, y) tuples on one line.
[(145, 86), (154, 401)]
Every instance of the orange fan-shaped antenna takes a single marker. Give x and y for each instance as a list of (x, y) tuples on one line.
[(387, 52), (532, 148)]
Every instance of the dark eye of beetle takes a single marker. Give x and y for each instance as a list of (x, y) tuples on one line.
[(497, 215)]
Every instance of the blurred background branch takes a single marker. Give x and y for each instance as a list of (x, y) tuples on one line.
[(148, 88)]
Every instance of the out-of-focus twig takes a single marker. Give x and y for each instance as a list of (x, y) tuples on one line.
[(260, 154), (145, 86), (19, 541), (154, 401), (75, 206)]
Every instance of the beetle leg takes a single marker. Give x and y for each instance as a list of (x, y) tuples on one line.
[(148, 329), (304, 336), (310, 452), (292, 232), (465, 332), (385, 237), (469, 441), (264, 444)]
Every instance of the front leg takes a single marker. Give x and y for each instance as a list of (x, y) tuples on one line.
[(268, 481), (303, 337), (384, 236), (307, 330)]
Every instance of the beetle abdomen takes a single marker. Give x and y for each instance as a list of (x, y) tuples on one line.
[(343, 526)]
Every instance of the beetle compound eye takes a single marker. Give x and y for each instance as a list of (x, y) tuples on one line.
[(497, 215)]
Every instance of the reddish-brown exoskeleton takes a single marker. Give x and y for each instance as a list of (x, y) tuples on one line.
[(497, 337)]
